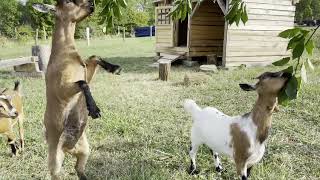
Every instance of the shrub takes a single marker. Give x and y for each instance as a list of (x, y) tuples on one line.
[(25, 33)]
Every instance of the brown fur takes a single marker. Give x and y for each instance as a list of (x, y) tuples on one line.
[(7, 123), (240, 144), (262, 115)]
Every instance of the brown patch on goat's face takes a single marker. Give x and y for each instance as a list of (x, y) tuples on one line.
[(241, 145)]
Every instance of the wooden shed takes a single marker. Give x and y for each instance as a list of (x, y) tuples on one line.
[(205, 31)]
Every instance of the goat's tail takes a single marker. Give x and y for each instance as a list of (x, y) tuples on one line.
[(17, 86), (191, 107)]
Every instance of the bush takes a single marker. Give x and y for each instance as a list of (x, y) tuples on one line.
[(24, 33), (3, 41)]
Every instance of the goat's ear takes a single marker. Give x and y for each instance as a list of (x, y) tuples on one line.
[(44, 8), (247, 87), (4, 90)]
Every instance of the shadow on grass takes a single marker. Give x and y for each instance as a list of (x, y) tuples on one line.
[(121, 159), (139, 65), (133, 64)]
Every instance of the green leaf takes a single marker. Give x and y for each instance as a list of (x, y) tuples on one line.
[(292, 88), (232, 13), (282, 61), (244, 16), (310, 47), (299, 83), (298, 50), (289, 69), (283, 98), (238, 18), (303, 73), (310, 64), (294, 41), (289, 33)]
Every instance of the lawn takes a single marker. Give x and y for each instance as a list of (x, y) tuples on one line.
[(144, 131)]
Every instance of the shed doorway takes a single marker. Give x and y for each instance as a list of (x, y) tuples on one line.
[(183, 33)]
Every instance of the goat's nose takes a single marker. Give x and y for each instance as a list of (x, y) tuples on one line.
[(13, 114), (287, 75)]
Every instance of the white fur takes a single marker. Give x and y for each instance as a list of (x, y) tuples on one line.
[(212, 128)]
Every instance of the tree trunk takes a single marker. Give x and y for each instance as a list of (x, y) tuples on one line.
[(164, 70)]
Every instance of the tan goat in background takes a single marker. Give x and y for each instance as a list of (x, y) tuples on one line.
[(11, 113), (68, 95)]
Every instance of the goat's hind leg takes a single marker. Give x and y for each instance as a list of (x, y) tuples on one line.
[(193, 153), (12, 143), (81, 151), (55, 158)]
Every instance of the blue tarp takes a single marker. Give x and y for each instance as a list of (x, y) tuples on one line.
[(144, 31)]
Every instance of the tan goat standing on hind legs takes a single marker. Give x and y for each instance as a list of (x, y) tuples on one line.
[(67, 90)]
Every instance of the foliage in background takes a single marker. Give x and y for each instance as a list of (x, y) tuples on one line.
[(9, 19), (181, 9), (108, 13), (308, 10), (129, 14), (237, 12), (37, 20)]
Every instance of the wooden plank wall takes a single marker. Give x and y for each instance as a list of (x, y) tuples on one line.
[(207, 30), (257, 43)]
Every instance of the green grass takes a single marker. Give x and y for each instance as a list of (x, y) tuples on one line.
[(144, 132)]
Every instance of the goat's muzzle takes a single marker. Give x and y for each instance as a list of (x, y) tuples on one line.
[(286, 75)]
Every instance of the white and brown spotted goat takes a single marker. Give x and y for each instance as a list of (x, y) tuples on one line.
[(11, 113), (240, 137), (69, 100)]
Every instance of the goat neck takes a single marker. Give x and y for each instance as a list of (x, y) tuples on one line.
[(262, 115), (63, 37)]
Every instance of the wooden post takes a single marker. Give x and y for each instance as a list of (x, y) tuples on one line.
[(43, 53), (124, 33), (37, 36), (16, 32), (44, 33), (150, 32), (88, 35), (119, 31), (164, 70)]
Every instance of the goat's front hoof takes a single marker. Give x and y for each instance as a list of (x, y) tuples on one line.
[(244, 178), (83, 177), (192, 171), (219, 169), (94, 112)]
